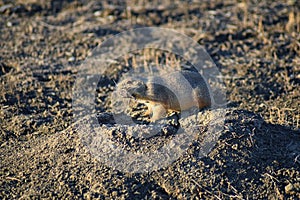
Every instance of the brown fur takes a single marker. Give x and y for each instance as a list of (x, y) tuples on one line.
[(176, 91)]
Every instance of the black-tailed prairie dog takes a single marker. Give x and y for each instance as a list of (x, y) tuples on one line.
[(174, 91)]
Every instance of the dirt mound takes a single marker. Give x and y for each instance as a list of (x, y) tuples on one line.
[(42, 45)]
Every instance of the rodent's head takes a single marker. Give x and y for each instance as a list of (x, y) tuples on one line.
[(132, 88)]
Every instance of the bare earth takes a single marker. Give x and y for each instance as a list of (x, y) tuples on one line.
[(256, 46)]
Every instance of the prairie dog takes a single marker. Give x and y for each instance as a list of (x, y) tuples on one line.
[(174, 91)]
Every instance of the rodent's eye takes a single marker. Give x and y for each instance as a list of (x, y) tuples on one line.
[(141, 85), (129, 82)]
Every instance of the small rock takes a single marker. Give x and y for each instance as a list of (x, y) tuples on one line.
[(9, 24), (71, 59), (5, 7), (235, 146), (97, 13), (289, 188)]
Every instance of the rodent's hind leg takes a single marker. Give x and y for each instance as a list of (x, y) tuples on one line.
[(158, 112)]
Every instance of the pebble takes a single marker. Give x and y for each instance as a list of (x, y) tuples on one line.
[(289, 188)]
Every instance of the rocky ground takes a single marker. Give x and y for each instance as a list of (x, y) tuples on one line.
[(256, 47)]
